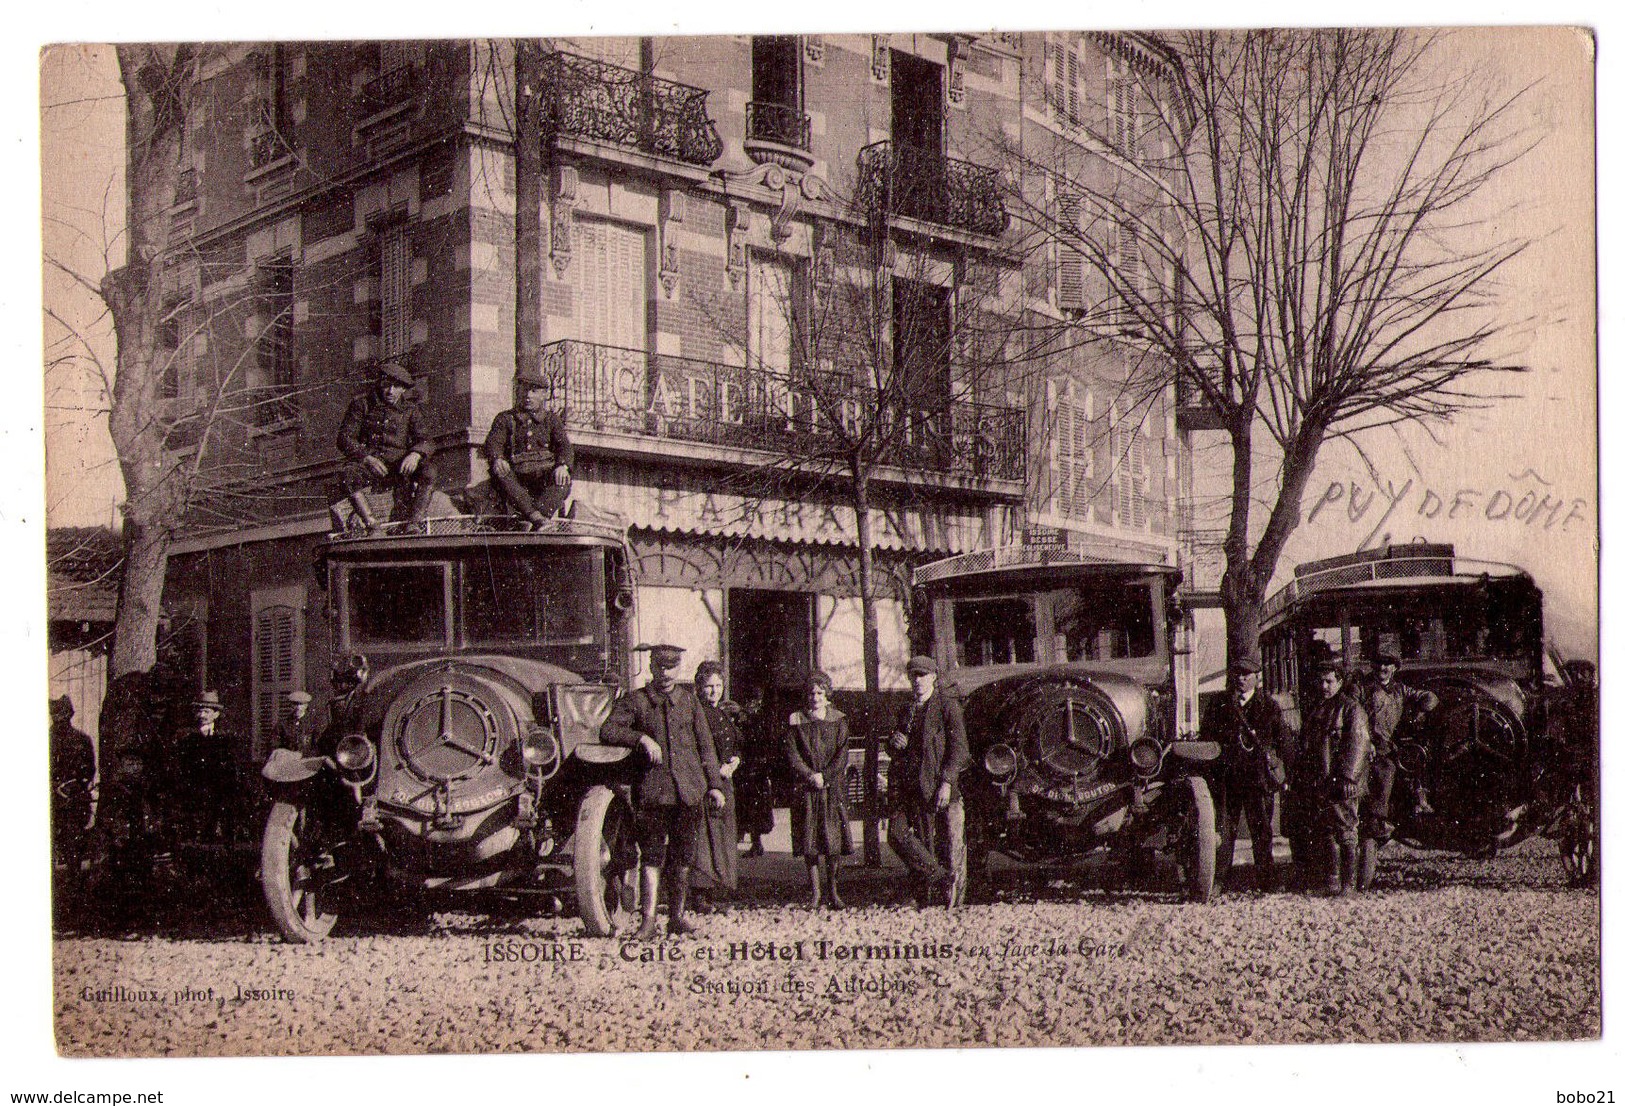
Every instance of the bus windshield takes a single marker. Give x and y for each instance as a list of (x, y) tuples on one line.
[(528, 596), (1104, 621), (1455, 626)]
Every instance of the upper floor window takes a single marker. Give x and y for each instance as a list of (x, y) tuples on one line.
[(1074, 457), (392, 266), (775, 70), (1063, 77), (278, 368), (1131, 478), (1125, 110), (775, 113)]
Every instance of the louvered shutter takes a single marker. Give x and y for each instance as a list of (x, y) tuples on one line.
[(1053, 66), (394, 293), (279, 643), (1074, 85), (1125, 115), (1069, 262), (771, 309), (611, 305)]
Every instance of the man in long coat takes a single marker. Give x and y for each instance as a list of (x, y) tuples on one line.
[(200, 780), (1333, 762), (1247, 724), (926, 826), (665, 725)]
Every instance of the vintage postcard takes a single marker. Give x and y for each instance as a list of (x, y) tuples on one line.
[(822, 541)]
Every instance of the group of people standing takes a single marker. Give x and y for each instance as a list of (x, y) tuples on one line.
[(690, 752), (1333, 783)]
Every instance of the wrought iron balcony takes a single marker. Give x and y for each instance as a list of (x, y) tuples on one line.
[(626, 391), (592, 99), (778, 133), (388, 89), (923, 184)]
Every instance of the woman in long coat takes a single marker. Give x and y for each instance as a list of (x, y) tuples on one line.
[(716, 856), (815, 747)]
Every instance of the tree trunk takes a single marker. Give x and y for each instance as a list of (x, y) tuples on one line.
[(140, 598), (871, 658), (159, 83), (527, 219)]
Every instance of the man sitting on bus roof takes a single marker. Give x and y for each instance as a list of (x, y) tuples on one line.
[(384, 441), (530, 453)]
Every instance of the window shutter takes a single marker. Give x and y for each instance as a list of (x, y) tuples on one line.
[(1125, 112), (611, 305), (1053, 74), (394, 293), (1080, 449), (1074, 86), (1069, 276), (278, 661)]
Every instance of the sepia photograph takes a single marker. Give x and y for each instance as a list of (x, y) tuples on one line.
[(716, 542)]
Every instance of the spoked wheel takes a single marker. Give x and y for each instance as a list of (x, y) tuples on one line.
[(1578, 840), (606, 864), (300, 873), (1197, 839)]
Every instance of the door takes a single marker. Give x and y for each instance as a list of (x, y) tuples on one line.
[(770, 649), (919, 182)]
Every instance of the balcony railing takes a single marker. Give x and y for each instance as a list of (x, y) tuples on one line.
[(778, 123), (923, 184), (607, 388), (388, 89), (587, 98)]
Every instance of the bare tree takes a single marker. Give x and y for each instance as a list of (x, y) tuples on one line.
[(186, 373), (1299, 239)]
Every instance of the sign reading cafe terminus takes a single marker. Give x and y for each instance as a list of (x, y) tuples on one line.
[(805, 529)]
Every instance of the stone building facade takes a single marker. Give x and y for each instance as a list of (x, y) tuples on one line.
[(709, 205)]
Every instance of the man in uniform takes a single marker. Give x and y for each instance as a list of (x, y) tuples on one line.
[(1387, 702), (1247, 724), (926, 821), (666, 727), (1333, 761), (200, 779), (383, 439), (294, 733), (529, 452)]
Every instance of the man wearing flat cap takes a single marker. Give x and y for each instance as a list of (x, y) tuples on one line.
[(1247, 724), (1334, 760), (200, 775), (384, 440), (529, 452), (1388, 701), (293, 732), (664, 724), (926, 819)]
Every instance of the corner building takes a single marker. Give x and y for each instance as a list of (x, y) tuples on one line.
[(703, 203)]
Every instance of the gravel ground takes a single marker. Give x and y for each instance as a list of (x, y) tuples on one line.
[(1446, 949)]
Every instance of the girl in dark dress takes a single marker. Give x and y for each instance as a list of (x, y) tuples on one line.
[(815, 747), (716, 856)]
